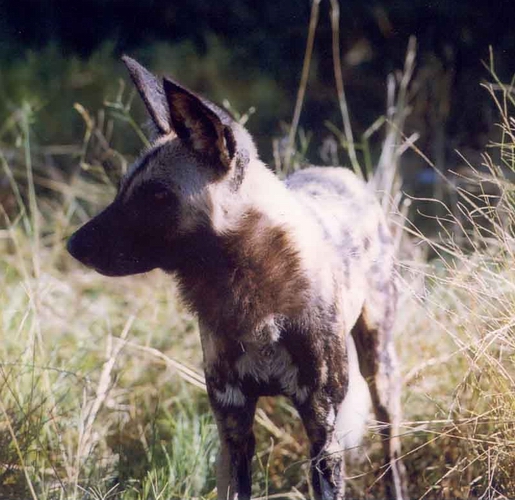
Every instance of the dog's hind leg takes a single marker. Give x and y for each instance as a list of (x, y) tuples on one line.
[(378, 364)]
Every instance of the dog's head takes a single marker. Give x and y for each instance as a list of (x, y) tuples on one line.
[(199, 157)]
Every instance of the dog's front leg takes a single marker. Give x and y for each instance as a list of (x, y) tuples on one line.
[(237, 444), (327, 466)]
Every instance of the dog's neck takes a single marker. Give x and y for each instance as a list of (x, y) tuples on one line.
[(244, 278)]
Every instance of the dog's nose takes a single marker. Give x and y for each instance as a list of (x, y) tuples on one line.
[(79, 248)]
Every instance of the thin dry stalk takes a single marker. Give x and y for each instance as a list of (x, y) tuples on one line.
[(185, 372), (313, 22), (384, 180), (292, 495), (86, 442), (342, 101)]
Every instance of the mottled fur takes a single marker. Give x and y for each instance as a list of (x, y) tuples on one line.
[(285, 278)]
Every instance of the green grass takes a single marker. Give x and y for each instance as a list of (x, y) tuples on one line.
[(101, 392)]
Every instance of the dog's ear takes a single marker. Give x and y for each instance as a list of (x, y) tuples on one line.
[(151, 91), (199, 126)]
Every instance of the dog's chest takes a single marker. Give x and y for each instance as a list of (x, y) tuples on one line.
[(265, 364), (260, 371)]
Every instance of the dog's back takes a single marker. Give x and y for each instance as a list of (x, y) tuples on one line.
[(353, 224), (347, 210)]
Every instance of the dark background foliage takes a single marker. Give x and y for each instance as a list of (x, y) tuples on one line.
[(251, 52)]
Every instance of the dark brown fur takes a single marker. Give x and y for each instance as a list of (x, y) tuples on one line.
[(251, 273)]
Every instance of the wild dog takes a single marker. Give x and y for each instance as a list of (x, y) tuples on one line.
[(292, 282)]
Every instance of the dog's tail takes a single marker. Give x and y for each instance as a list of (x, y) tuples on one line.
[(351, 421)]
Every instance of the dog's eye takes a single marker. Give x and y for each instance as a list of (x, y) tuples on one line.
[(160, 195), (154, 191)]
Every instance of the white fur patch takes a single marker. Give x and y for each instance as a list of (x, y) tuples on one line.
[(276, 365), (302, 394), (331, 416), (230, 396)]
